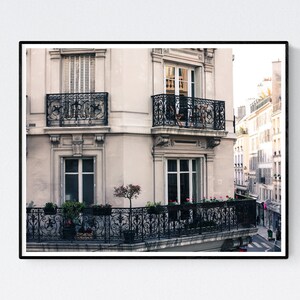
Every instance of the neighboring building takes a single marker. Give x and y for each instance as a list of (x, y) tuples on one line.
[(275, 206), (99, 118), (259, 132), (262, 111), (241, 159)]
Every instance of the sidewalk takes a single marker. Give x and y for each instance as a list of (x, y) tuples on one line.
[(263, 232)]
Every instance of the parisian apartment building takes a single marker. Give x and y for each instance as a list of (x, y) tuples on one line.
[(257, 151), (161, 118)]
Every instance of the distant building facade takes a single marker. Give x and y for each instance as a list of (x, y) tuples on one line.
[(259, 138)]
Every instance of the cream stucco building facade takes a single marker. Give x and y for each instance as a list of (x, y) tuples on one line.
[(259, 141), (97, 118)]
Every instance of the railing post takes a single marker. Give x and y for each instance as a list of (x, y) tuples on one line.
[(143, 212), (106, 109), (39, 220)]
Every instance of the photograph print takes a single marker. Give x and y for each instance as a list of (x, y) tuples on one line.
[(153, 150)]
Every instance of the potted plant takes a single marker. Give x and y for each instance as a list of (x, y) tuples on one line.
[(173, 210), (154, 208), (50, 208), (185, 209), (29, 206), (129, 192), (102, 210), (84, 234), (71, 211)]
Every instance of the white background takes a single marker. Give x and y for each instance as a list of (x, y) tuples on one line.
[(88, 20)]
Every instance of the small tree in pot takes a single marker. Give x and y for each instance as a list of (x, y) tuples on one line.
[(129, 192), (71, 211)]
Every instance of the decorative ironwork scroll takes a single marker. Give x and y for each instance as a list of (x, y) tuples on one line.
[(77, 109), (182, 220), (174, 110)]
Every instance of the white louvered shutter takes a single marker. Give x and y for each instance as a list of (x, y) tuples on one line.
[(79, 73)]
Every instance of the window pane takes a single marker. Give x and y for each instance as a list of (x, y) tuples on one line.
[(72, 165), (79, 73), (170, 79), (184, 187), (184, 165), (192, 76), (88, 189), (194, 193), (71, 187), (172, 187), (88, 165), (170, 72), (172, 165), (183, 74), (194, 165), (183, 88)]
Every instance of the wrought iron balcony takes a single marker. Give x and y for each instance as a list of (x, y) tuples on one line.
[(169, 222), (174, 110), (77, 109)]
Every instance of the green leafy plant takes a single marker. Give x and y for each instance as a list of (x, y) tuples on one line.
[(187, 201), (154, 207), (50, 208), (29, 206), (172, 202), (71, 210)]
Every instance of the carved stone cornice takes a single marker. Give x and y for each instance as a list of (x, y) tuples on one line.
[(55, 54), (162, 141), (55, 140), (100, 53), (157, 55), (209, 55), (213, 142), (202, 144), (99, 139)]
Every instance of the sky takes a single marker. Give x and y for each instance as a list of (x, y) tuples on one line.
[(252, 63)]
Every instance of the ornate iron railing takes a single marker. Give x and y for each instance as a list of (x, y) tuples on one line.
[(77, 109), (169, 222), (174, 110)]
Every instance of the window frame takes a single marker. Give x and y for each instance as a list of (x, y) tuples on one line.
[(80, 78), (177, 80), (200, 177), (80, 174)]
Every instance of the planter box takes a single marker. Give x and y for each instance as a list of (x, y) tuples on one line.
[(69, 232), (173, 212), (128, 236), (155, 210), (102, 211), (50, 211), (84, 236)]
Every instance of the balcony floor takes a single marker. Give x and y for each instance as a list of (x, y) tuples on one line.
[(206, 242)]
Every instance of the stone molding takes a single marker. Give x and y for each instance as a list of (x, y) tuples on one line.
[(55, 140), (77, 143)]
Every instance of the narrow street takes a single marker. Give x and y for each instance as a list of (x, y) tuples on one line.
[(259, 244)]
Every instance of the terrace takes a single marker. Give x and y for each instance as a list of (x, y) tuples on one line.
[(226, 222)]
